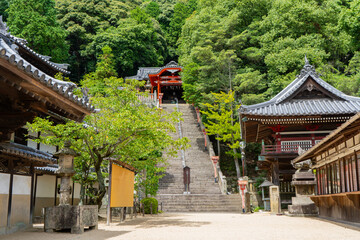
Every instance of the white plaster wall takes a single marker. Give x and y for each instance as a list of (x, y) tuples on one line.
[(31, 143), (45, 186), (47, 148), (22, 185), (4, 183), (77, 187)]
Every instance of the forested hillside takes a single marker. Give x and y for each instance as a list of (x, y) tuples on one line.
[(254, 47), (257, 44)]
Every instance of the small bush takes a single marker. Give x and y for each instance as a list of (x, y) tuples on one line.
[(147, 202)]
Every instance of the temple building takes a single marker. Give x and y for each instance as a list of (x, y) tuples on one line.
[(28, 89), (165, 81), (336, 164), (293, 121)]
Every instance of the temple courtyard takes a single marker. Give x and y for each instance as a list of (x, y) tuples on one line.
[(205, 226)]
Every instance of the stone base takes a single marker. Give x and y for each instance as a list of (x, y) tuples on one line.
[(70, 217), (303, 210), (302, 206)]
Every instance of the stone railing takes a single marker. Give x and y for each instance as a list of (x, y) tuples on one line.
[(149, 99), (209, 147)]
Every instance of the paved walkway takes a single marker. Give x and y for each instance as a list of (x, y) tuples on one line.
[(207, 226)]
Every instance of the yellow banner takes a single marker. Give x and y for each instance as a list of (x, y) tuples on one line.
[(122, 187)]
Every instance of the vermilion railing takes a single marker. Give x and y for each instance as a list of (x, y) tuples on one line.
[(290, 148)]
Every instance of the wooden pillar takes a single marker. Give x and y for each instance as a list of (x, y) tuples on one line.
[(73, 192), (35, 189), (108, 214), (275, 173), (158, 88), (11, 169), (31, 194)]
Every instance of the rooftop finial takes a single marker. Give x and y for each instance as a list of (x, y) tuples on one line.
[(3, 28), (306, 61)]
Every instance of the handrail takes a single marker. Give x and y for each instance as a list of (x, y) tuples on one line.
[(208, 145), (180, 134), (289, 148), (150, 99)]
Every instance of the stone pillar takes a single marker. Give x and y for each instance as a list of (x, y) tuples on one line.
[(275, 206)]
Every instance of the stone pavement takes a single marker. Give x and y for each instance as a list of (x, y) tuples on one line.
[(209, 226)]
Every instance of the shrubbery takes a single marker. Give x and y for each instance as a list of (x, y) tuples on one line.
[(148, 203)]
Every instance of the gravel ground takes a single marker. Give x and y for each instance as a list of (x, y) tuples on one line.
[(188, 226)]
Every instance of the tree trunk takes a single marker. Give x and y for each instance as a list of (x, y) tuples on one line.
[(102, 189), (100, 178), (236, 163)]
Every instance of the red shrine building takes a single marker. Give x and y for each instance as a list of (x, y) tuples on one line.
[(164, 81), (296, 119)]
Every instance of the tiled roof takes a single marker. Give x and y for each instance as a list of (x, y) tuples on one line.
[(51, 169), (46, 59), (143, 72), (280, 105), (8, 51), (22, 151)]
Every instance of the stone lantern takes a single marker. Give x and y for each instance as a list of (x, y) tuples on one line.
[(265, 196), (66, 216), (65, 171), (304, 182)]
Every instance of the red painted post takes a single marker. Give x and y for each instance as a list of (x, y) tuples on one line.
[(215, 160), (242, 185)]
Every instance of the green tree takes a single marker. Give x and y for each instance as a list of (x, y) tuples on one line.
[(83, 20), (124, 128), (138, 41), (4, 5), (35, 21), (222, 123)]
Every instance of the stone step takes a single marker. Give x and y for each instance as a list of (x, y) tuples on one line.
[(205, 193)]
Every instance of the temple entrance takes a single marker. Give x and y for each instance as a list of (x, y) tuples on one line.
[(171, 93)]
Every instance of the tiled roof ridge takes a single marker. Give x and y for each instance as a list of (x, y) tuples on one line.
[(61, 87), (25, 151), (143, 72), (171, 64), (307, 70)]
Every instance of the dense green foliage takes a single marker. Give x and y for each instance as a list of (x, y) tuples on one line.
[(150, 205), (262, 44), (35, 21)]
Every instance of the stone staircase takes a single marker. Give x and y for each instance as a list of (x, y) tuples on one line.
[(205, 193)]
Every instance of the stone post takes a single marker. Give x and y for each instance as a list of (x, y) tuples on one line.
[(275, 206)]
